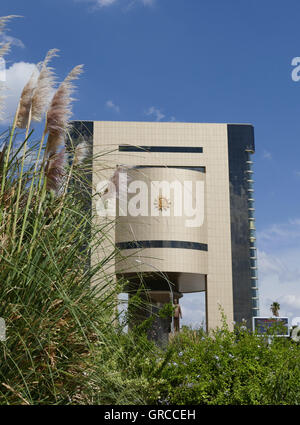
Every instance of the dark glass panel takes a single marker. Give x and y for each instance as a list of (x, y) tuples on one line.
[(162, 244), (174, 149)]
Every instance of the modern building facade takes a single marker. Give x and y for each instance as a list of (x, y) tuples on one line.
[(184, 218)]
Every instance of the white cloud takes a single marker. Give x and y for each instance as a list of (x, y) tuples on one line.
[(282, 267), (292, 301), (98, 3), (280, 235), (158, 115), (111, 105), (279, 268), (103, 3), (17, 76), (193, 309), (129, 3), (266, 155), (152, 111)]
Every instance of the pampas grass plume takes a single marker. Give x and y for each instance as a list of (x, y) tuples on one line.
[(44, 87), (60, 111), (54, 171), (5, 19), (81, 152), (26, 101)]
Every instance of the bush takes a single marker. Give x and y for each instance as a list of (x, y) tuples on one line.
[(229, 368)]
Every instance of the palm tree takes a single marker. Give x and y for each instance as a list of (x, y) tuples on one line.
[(275, 307)]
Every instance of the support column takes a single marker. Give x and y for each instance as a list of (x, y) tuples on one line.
[(218, 298)]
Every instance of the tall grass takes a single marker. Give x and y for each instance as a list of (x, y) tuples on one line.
[(62, 342), (60, 333)]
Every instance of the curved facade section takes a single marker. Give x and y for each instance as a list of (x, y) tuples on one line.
[(164, 208)]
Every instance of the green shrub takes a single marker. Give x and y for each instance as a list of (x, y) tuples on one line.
[(229, 368)]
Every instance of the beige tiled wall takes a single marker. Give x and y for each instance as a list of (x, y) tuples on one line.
[(216, 263)]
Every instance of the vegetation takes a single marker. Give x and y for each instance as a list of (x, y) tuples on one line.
[(63, 344), (275, 307), (229, 368), (239, 368)]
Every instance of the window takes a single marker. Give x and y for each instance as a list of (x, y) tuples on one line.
[(253, 273), (250, 184), (200, 169), (162, 244), (174, 149)]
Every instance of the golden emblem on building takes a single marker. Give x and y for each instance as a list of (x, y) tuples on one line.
[(162, 203)]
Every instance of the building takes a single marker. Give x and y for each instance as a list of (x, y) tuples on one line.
[(184, 210)]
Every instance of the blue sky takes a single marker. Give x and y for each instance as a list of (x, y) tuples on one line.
[(189, 60)]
